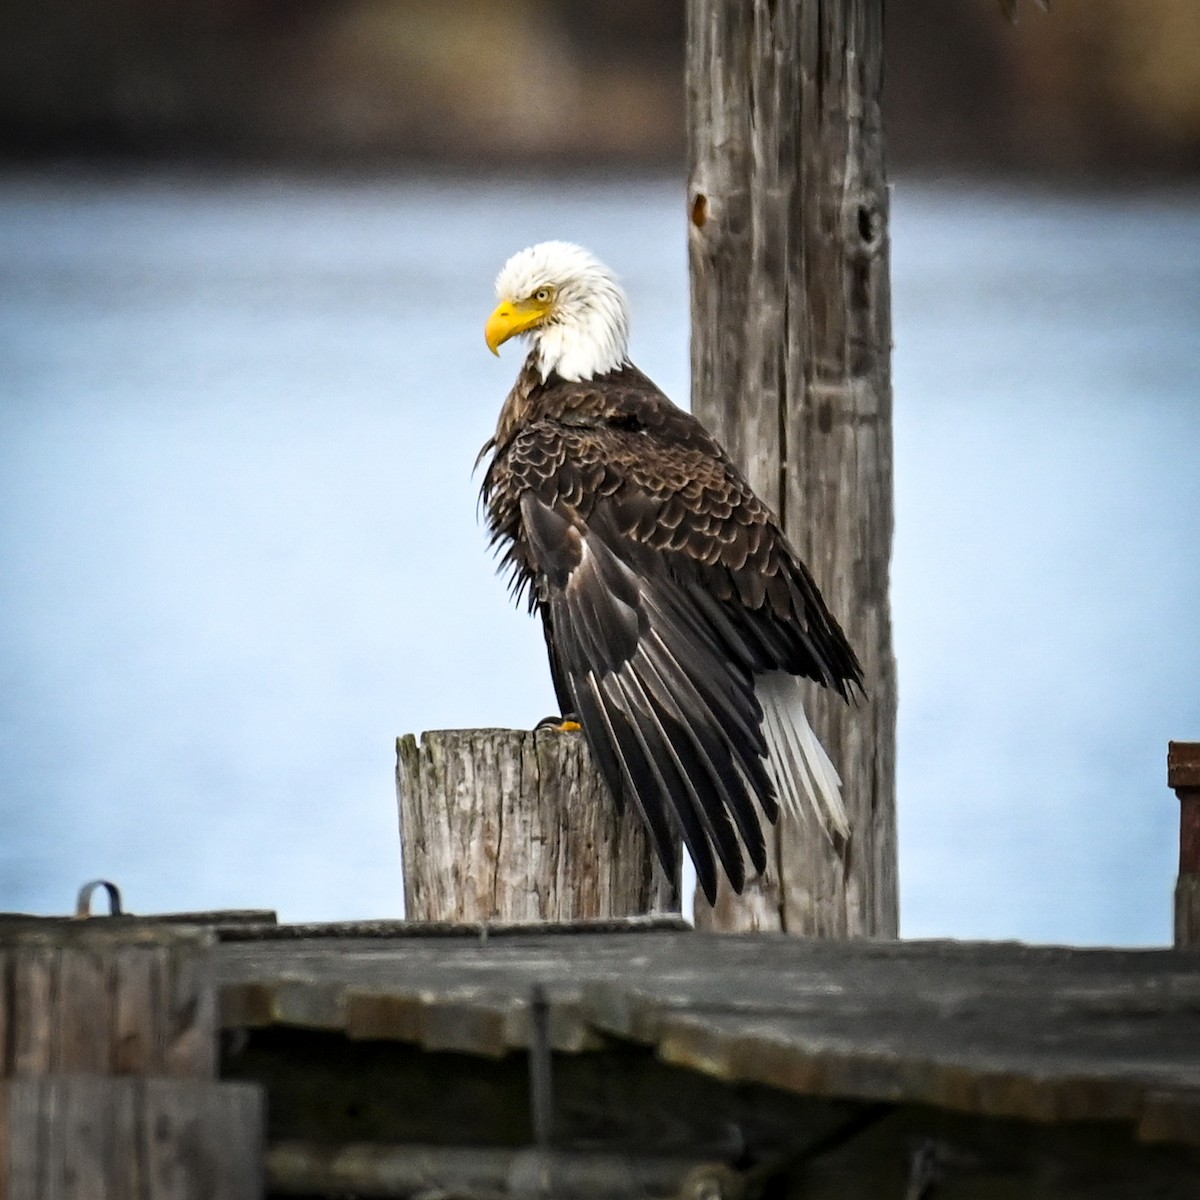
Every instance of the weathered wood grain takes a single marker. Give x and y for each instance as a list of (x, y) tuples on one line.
[(1187, 912), (477, 930), (90, 1137), (114, 999), (514, 825), (995, 1030), (791, 342), (368, 1169)]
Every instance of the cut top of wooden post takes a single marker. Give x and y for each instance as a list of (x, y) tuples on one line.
[(1183, 774), (515, 825), (1183, 765)]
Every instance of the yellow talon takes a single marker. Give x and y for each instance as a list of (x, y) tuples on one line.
[(566, 724)]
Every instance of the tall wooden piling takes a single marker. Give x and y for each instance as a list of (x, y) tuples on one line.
[(1183, 775), (515, 825), (791, 343)]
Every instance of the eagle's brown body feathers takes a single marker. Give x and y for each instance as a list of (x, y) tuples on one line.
[(667, 590)]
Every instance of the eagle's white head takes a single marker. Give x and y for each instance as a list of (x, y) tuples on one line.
[(571, 306)]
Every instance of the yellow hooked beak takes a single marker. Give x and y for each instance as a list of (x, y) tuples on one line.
[(510, 318)]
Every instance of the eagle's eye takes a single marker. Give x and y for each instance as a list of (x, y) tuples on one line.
[(542, 295)]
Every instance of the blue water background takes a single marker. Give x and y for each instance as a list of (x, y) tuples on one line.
[(239, 550)]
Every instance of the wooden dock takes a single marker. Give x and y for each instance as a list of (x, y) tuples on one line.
[(222, 1056), (617, 1059)]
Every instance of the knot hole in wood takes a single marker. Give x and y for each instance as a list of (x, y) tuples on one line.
[(864, 225)]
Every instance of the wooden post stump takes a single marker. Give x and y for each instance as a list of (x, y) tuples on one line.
[(515, 825), (1183, 775)]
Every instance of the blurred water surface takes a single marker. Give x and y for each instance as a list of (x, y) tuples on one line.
[(240, 551)]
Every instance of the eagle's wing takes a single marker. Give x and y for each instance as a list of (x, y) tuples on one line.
[(668, 589)]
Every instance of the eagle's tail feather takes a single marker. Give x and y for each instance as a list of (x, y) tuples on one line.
[(796, 761)]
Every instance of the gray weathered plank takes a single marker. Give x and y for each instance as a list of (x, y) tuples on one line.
[(28, 1000), (217, 918), (515, 825), (791, 343), (86, 1137), (89, 996), (366, 1169), (1044, 1033), (138, 1033), (1187, 911), (1090, 1079), (471, 930)]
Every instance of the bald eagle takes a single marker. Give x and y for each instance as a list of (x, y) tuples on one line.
[(678, 618)]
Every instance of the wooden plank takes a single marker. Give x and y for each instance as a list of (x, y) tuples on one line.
[(514, 825), (218, 919), (479, 931), (203, 1139), (368, 1169), (6, 1016), (189, 999), (68, 1137), (1046, 1033), (479, 1022), (93, 997), (87, 1137), (84, 1014), (138, 1027), (1032, 1083), (1187, 912), (707, 970), (791, 337), (29, 1001)]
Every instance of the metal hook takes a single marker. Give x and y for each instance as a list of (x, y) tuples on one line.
[(83, 903)]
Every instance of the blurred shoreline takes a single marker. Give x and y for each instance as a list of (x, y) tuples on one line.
[(1096, 90)]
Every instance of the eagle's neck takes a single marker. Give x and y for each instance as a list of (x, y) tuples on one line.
[(588, 335)]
